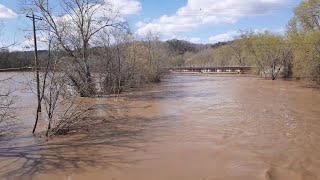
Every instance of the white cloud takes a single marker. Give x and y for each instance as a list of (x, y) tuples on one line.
[(195, 40), (126, 7), (122, 8), (28, 44), (228, 36), (231, 35), (114, 9), (140, 24), (6, 13), (199, 13)]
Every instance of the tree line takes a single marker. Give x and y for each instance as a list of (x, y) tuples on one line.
[(295, 53)]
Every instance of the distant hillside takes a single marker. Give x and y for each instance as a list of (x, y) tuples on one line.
[(179, 51)]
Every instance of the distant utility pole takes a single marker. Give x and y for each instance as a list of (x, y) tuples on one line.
[(34, 18), (49, 43)]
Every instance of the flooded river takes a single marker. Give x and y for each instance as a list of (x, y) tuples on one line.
[(188, 127)]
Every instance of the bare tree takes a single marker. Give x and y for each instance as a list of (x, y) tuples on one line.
[(111, 60), (64, 109), (123, 62), (7, 100), (157, 55), (74, 23)]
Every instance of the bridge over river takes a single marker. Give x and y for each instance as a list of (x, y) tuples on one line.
[(212, 69)]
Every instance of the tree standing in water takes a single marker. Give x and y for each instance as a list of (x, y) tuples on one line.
[(7, 99), (73, 25), (270, 52)]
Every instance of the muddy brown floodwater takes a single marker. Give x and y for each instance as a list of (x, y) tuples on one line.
[(188, 127)]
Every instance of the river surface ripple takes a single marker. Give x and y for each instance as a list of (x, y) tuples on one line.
[(187, 127)]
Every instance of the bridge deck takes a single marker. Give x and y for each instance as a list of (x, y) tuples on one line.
[(224, 69)]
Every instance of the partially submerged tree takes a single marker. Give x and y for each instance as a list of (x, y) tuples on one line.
[(114, 66), (74, 24), (7, 100), (157, 55), (64, 109), (123, 62), (93, 44), (270, 52)]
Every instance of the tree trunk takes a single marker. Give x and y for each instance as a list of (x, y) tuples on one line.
[(36, 122), (273, 72), (49, 125)]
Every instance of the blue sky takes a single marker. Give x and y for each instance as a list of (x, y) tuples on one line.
[(199, 21)]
